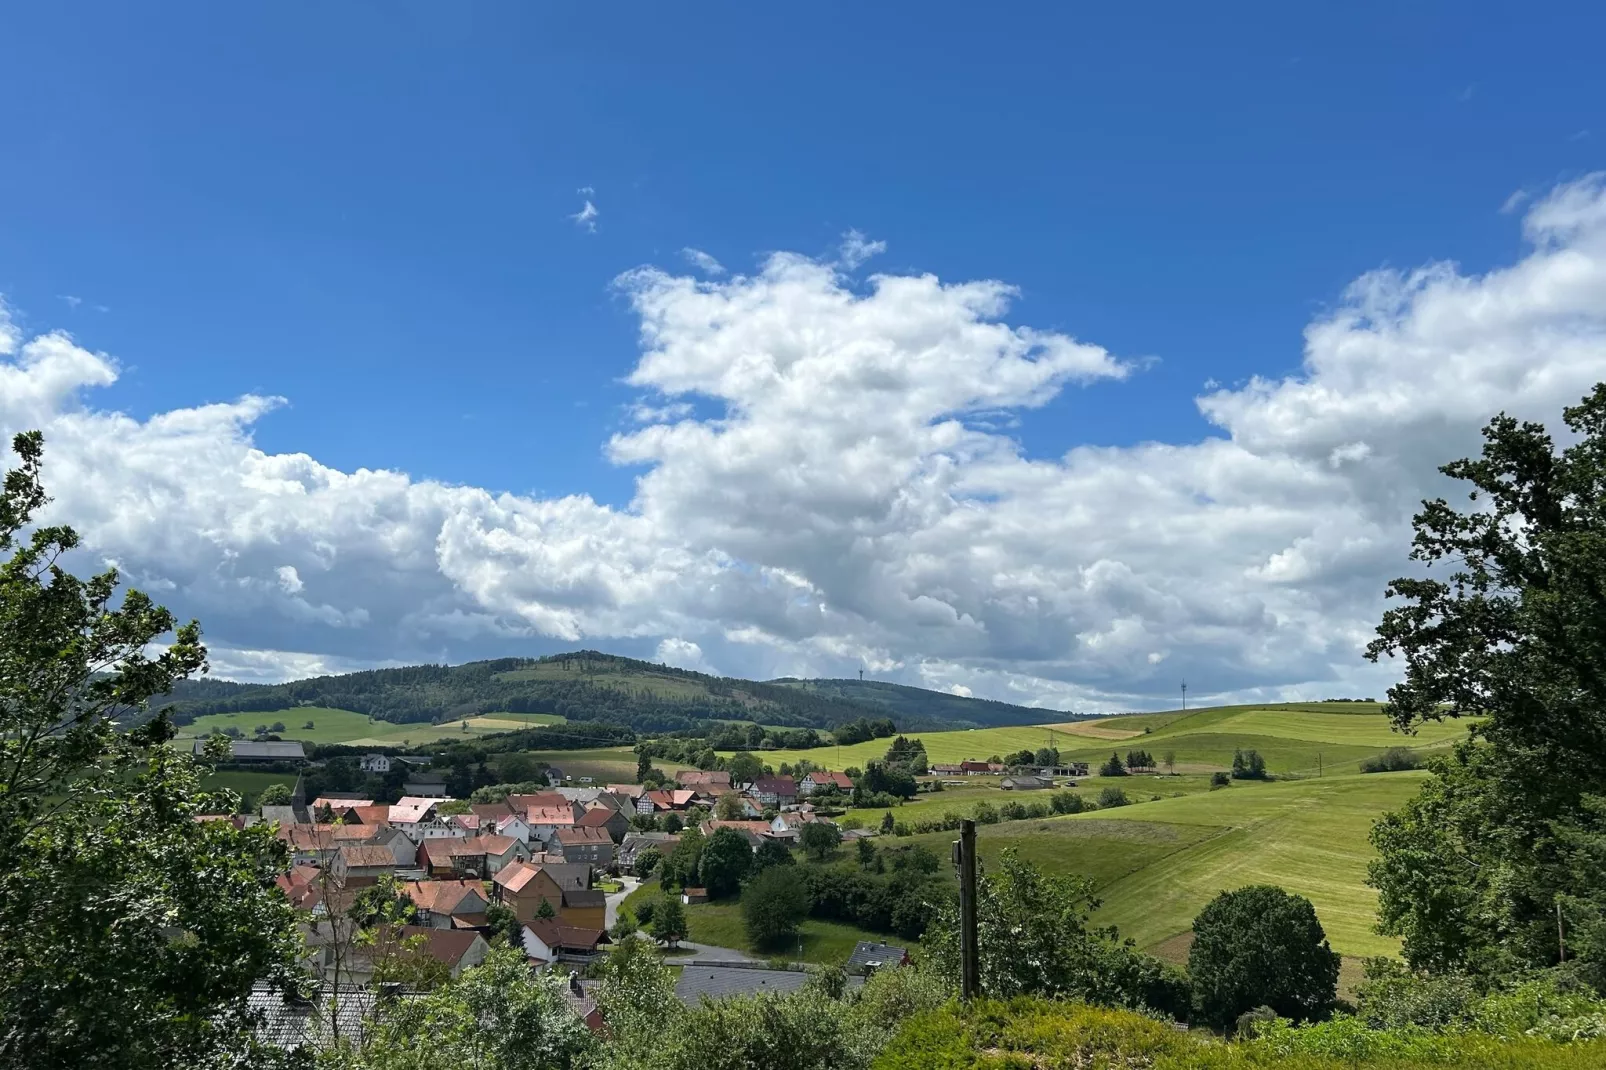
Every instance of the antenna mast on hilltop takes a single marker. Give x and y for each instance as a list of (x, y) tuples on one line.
[(1184, 694), (861, 676)]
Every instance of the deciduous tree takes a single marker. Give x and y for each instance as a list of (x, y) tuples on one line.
[(130, 933), (1261, 947), (1507, 622)]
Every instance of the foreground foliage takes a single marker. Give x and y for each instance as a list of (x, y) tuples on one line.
[(1025, 1033), (1509, 837), (130, 933)]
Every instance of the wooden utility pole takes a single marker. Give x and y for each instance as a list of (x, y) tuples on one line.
[(1561, 936), (969, 959)]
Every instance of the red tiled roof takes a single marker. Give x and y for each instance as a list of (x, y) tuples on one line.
[(692, 778), (516, 876), (550, 815), (826, 776), (597, 818), (585, 835), (557, 935), (776, 785), (446, 945), (443, 897), (368, 857), (540, 800)]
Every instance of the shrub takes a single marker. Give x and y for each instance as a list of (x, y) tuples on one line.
[(1113, 767), (986, 814), (1112, 796), (1219, 780), (1012, 811), (1261, 946), (1393, 760), (1066, 802)]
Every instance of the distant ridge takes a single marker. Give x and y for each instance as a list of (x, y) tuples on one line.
[(587, 685), (926, 709)]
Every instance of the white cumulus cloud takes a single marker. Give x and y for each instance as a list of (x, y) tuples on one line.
[(816, 493)]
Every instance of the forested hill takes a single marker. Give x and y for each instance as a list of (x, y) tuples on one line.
[(589, 686), (916, 704)]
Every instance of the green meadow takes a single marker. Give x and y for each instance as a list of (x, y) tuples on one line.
[(1156, 864), (358, 730), (1294, 738)]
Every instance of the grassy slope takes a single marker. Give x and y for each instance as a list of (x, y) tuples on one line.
[(355, 729), (1293, 738), (1156, 864), (612, 764)]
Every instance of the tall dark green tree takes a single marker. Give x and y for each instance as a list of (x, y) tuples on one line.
[(130, 933), (1471, 873), (725, 862)]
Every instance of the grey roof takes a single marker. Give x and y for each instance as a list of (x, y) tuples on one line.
[(718, 982), (584, 897), (284, 815), (571, 876), (580, 795), (284, 751), (1026, 782), (292, 1025), (870, 953)]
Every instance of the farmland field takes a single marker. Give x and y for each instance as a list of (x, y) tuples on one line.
[(356, 730), (615, 765), (1293, 738), (1156, 864)]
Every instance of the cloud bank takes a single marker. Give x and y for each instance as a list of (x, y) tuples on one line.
[(851, 502)]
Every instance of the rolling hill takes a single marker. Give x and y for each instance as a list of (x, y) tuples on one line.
[(915, 708), (1294, 738), (588, 686)]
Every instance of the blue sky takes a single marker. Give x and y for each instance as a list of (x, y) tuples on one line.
[(366, 208)]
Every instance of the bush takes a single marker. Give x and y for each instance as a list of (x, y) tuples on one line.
[(1012, 811), (1113, 767), (1393, 760), (1112, 796), (1220, 780), (985, 814), (645, 910), (991, 1035), (1261, 946), (1067, 802)]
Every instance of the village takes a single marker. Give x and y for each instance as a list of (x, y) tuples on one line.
[(547, 870)]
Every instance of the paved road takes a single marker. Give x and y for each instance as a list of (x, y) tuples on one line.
[(611, 908)]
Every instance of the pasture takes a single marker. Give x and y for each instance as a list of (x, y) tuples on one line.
[(1294, 738), (358, 730), (1156, 864)]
